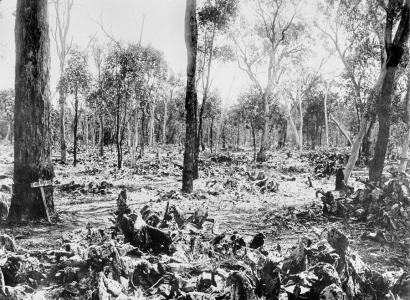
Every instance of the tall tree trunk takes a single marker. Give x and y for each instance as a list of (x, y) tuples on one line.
[(211, 134), (301, 123), (135, 141), (32, 138), (117, 134), (326, 118), (63, 145), (101, 135), (151, 126), (75, 126), (86, 132), (191, 101)]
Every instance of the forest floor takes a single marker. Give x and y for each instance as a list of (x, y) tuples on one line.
[(286, 212)]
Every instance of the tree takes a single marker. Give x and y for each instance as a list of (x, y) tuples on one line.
[(278, 36), (32, 141), (62, 10), (191, 101), (359, 51), (76, 82), (213, 20), (380, 99)]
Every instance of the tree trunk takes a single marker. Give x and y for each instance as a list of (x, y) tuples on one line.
[(366, 143), (383, 106), (117, 134), (63, 145), (301, 124), (86, 132), (326, 118), (211, 134), (191, 101), (295, 131), (164, 123), (151, 127), (355, 149), (7, 138), (135, 141), (32, 139), (261, 156), (75, 126), (101, 135), (253, 141)]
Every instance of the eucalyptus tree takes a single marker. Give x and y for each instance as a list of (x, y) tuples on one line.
[(32, 141), (214, 18), (62, 10), (120, 71), (396, 35), (267, 48), (191, 101), (76, 81)]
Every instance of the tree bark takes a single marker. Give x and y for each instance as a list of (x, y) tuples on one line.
[(191, 101), (32, 138)]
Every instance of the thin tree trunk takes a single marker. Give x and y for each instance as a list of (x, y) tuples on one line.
[(86, 132), (32, 138), (151, 127), (253, 141), (7, 138), (301, 124), (326, 118), (63, 145), (117, 134), (261, 156), (75, 126), (211, 134), (101, 135), (191, 102)]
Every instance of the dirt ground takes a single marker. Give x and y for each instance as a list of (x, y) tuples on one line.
[(157, 180)]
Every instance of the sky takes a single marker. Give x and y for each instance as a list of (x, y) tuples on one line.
[(163, 29)]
